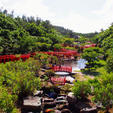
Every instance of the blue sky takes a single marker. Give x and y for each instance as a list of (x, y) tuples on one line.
[(78, 15)]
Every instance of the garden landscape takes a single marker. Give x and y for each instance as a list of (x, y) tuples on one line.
[(46, 68)]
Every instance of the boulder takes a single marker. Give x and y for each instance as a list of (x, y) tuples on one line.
[(61, 100), (31, 104), (66, 111), (71, 98), (89, 110), (62, 106)]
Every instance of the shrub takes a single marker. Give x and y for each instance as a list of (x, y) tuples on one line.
[(50, 73), (81, 89), (7, 101), (19, 78)]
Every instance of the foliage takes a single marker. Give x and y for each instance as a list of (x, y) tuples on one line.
[(42, 46), (43, 59), (19, 79), (109, 62), (92, 55), (7, 101), (57, 46), (50, 73), (82, 39), (69, 48), (46, 59), (26, 34), (17, 76), (103, 90), (105, 40), (66, 32), (81, 89), (68, 41), (69, 33)]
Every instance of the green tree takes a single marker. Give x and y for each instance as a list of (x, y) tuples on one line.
[(103, 90), (68, 41), (57, 46), (109, 64), (92, 55)]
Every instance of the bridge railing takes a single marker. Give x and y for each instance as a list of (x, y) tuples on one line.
[(58, 80), (62, 68)]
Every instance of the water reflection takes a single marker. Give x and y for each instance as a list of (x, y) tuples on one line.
[(76, 65), (81, 63)]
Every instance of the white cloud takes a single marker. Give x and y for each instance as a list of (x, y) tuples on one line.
[(74, 21), (79, 23), (28, 8), (106, 9)]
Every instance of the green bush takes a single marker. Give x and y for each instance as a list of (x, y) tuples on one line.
[(81, 89), (19, 79), (109, 64), (103, 90), (50, 73), (7, 101), (43, 59)]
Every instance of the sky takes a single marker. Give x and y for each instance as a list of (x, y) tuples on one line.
[(82, 16)]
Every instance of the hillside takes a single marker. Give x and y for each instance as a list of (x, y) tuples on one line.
[(72, 34), (26, 34)]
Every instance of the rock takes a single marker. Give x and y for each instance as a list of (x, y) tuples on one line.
[(57, 111), (48, 100), (71, 98), (61, 100), (48, 103), (65, 111), (62, 106), (89, 110), (31, 104), (38, 93), (32, 101)]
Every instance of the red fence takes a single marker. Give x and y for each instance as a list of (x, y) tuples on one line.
[(62, 68), (67, 54), (58, 80)]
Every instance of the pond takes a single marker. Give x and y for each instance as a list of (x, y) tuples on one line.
[(76, 65)]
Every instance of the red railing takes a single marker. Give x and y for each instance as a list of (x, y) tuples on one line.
[(58, 80), (62, 68), (68, 54)]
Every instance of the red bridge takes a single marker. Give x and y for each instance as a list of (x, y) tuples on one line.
[(63, 52), (58, 80), (62, 69)]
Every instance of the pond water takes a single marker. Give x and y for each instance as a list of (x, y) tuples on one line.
[(76, 65)]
